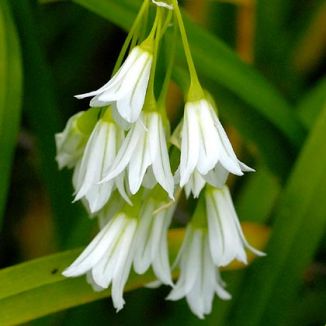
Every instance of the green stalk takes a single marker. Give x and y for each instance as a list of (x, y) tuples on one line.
[(131, 35), (195, 91)]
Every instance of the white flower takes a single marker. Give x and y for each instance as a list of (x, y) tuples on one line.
[(204, 143), (199, 278), (98, 156), (70, 143), (108, 258), (143, 149), (151, 239), (127, 88), (226, 239)]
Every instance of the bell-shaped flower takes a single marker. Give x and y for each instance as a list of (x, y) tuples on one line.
[(108, 258), (144, 150), (204, 143), (98, 156), (151, 239), (70, 143), (199, 278), (226, 239), (126, 90)]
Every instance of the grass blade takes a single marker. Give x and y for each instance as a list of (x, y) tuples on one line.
[(37, 288), (299, 224), (10, 97)]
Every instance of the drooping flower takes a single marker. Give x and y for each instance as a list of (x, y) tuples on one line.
[(126, 90), (144, 150), (204, 143), (226, 239), (151, 239), (129, 235), (70, 143), (199, 278), (98, 156), (108, 258)]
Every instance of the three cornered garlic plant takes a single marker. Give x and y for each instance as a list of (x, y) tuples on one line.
[(120, 151)]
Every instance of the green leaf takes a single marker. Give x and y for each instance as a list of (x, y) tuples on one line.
[(214, 60), (299, 225), (312, 103), (308, 38), (258, 196), (41, 109), (37, 288), (10, 97)]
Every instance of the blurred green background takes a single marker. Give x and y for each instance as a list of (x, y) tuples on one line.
[(264, 63)]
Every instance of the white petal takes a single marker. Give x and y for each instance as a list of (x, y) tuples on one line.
[(189, 144), (220, 291), (215, 234), (160, 156), (143, 256), (131, 104), (227, 156), (161, 265), (99, 194), (123, 267), (89, 172), (217, 177), (117, 77), (125, 153), (245, 168), (91, 282), (195, 184), (190, 265), (208, 280), (120, 183), (96, 249), (237, 223), (208, 154), (233, 245), (118, 119), (113, 261), (141, 161), (195, 297)]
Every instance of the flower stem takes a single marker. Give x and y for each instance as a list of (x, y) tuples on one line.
[(130, 35), (170, 60), (195, 90), (150, 102)]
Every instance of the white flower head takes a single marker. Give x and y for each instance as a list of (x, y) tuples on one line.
[(226, 239), (204, 143), (98, 156), (144, 150), (199, 278), (126, 90), (151, 239), (70, 143), (108, 258)]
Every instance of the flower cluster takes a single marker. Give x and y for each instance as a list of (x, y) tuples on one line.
[(121, 158)]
